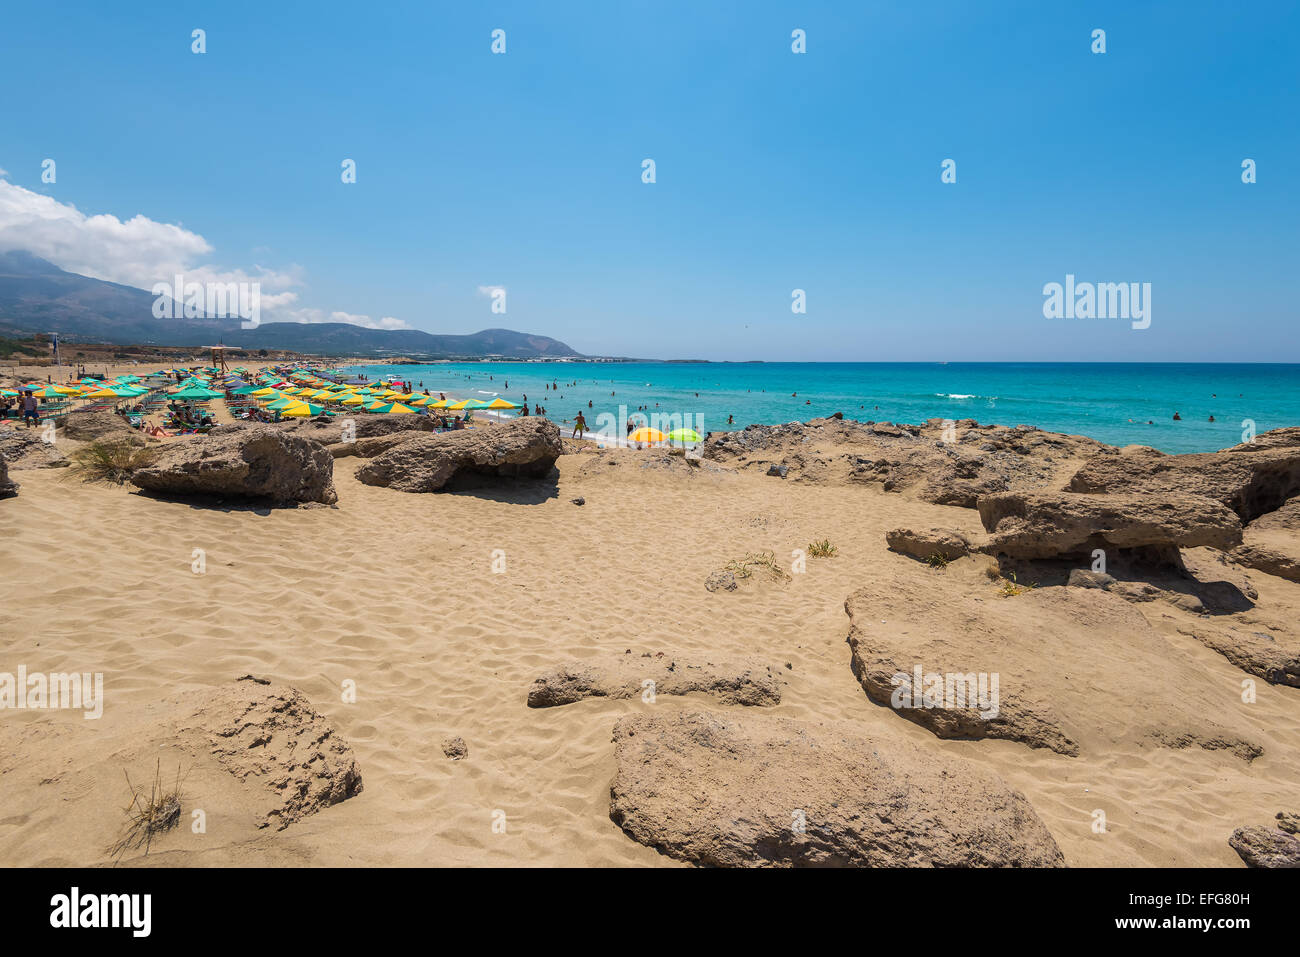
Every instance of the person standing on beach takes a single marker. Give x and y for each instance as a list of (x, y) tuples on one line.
[(579, 427), (30, 415)]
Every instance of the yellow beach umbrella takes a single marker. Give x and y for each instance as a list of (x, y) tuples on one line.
[(501, 404), (353, 400), (647, 435)]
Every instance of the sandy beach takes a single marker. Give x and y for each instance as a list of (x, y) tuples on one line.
[(395, 595)]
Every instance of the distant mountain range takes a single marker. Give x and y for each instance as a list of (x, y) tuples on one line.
[(37, 296)]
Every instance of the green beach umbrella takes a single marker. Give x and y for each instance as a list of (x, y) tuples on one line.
[(196, 392), (683, 435)]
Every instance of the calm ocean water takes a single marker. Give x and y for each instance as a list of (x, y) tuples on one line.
[(1110, 402)]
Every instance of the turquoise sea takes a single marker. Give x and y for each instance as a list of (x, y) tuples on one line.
[(1117, 403)]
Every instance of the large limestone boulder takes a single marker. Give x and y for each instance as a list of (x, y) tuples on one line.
[(1271, 543), (99, 427), (1251, 479), (738, 790), (1035, 525), (7, 487), (368, 447), (329, 430), (1272, 655), (944, 462), (633, 676), (26, 449), (1269, 846), (254, 464), (521, 448), (1066, 669), (929, 544)]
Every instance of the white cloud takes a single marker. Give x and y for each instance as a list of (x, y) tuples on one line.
[(141, 252), (3, 173), (320, 315)]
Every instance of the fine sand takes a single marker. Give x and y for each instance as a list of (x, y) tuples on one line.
[(395, 592)]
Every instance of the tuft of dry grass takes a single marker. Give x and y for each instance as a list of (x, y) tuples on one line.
[(822, 549), (149, 814), (1011, 588), (744, 567), (114, 461), (937, 560)]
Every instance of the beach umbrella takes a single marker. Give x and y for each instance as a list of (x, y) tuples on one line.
[(302, 408), (646, 435), (468, 404), (47, 392), (353, 400), (422, 400), (683, 435), (440, 404), (501, 404), (393, 407), (267, 391), (195, 392), (285, 403)]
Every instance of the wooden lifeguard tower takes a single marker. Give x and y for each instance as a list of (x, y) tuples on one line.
[(219, 356)]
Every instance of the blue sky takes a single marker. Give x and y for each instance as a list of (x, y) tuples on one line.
[(775, 171)]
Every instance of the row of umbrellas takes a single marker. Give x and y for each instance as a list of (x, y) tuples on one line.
[(301, 392)]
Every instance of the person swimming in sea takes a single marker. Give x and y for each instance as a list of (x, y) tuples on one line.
[(1177, 417)]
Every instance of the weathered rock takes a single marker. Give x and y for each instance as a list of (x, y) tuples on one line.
[(7, 487), (948, 544), (1267, 846), (520, 448), (1271, 543), (1086, 578), (1058, 524), (746, 791), (455, 748), (25, 449), (946, 463), (1281, 559), (270, 733), (1077, 680), (1275, 659), (332, 430), (256, 464), (625, 676), (721, 581), (1251, 479), (100, 426), (372, 445)]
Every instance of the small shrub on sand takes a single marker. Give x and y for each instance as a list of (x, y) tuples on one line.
[(937, 560), (149, 813), (1011, 588), (110, 461), (744, 567), (822, 549)]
